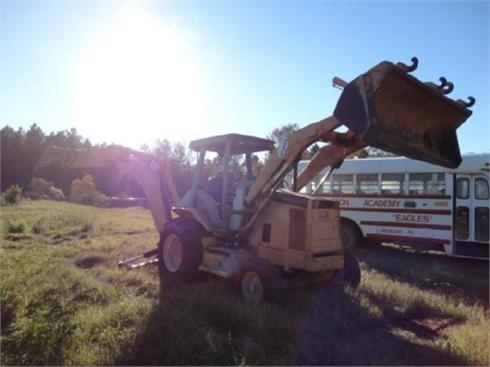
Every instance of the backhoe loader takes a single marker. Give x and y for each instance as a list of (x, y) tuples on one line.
[(254, 230)]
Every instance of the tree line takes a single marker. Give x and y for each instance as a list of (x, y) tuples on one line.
[(21, 149)]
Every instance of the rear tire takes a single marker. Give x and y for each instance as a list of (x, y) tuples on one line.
[(351, 273), (350, 234), (260, 281), (180, 250)]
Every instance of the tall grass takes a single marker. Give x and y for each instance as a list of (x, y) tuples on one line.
[(68, 221), (41, 219), (64, 301)]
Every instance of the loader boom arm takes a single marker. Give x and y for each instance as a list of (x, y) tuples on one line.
[(289, 152), (292, 147)]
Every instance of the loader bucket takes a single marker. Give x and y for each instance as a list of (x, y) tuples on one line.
[(396, 112)]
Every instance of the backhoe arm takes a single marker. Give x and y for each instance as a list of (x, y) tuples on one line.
[(142, 167)]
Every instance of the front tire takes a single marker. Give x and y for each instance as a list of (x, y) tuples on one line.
[(180, 250), (260, 281)]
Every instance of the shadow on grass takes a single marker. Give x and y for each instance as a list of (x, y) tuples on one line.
[(205, 324), (337, 330), (465, 279)]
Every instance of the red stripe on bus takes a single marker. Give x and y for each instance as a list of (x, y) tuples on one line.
[(397, 196), (407, 225), (399, 210), (381, 237)]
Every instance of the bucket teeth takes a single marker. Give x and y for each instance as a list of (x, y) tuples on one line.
[(446, 86), (443, 82), (409, 68), (471, 102)]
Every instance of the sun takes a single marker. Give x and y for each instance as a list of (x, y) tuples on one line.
[(138, 82)]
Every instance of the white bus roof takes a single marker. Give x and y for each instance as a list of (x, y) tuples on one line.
[(471, 163)]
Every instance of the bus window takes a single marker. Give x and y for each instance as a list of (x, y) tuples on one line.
[(481, 212), (481, 223), (326, 187), (367, 183), (392, 183), (462, 188), (316, 184), (462, 223), (417, 183), (426, 184), (481, 189), (343, 184), (436, 185)]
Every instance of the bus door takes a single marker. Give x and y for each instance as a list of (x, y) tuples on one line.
[(471, 216)]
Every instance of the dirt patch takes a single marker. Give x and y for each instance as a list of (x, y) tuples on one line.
[(438, 323), (427, 327), (58, 238), (17, 237), (90, 261)]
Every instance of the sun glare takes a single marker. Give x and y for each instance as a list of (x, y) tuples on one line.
[(137, 83)]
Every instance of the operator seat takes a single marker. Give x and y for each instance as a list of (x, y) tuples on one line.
[(241, 190), (215, 186), (206, 207)]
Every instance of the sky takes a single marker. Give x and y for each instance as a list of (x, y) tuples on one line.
[(132, 72)]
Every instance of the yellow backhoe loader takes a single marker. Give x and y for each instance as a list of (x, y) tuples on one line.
[(258, 232)]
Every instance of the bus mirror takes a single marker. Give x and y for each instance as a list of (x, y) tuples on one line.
[(396, 112)]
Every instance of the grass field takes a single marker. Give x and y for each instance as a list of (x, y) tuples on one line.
[(64, 301)]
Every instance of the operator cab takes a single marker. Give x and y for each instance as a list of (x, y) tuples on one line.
[(219, 206)]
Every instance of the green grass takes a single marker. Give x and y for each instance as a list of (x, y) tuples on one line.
[(64, 301)]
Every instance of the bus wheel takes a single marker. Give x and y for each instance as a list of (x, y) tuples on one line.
[(350, 234)]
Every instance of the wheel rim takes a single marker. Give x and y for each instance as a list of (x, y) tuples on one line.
[(252, 287), (173, 253)]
